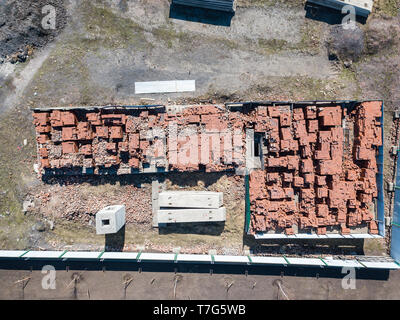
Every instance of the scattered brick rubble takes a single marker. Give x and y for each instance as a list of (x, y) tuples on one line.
[(319, 161)]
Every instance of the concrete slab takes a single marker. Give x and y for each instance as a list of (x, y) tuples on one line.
[(119, 255), (231, 259), (43, 254), (11, 253), (268, 260), (154, 200), (165, 86), (110, 219), (194, 258), (82, 255), (190, 199), (191, 215)]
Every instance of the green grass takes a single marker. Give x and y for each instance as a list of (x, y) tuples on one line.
[(300, 88), (111, 30), (270, 46), (387, 7), (16, 163), (269, 3)]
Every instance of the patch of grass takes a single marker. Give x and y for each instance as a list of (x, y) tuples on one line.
[(348, 75), (269, 3), (64, 66), (311, 32), (109, 29), (374, 247), (297, 88), (170, 36), (271, 46), (16, 163), (387, 7), (310, 41)]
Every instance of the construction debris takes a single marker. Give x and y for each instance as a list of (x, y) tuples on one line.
[(318, 162), (334, 177)]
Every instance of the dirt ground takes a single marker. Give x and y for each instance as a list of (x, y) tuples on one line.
[(106, 46), (197, 283)]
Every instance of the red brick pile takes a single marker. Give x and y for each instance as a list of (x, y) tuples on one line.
[(319, 162), (311, 177), (122, 139)]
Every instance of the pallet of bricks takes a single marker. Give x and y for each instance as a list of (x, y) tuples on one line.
[(318, 175)]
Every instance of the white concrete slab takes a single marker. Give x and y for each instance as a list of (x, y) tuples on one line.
[(315, 236), (231, 259), (157, 256), (191, 215), (165, 86), (380, 265), (270, 236), (305, 236), (81, 255), (305, 261), (43, 254), (268, 260), (190, 199), (119, 255), (343, 263), (11, 253), (194, 258)]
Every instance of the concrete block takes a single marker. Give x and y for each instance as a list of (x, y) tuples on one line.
[(110, 219), (155, 206), (191, 215), (190, 199)]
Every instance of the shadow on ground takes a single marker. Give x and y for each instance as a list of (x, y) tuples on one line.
[(204, 228), (278, 270), (305, 246), (200, 15), (187, 179), (115, 241), (327, 15)]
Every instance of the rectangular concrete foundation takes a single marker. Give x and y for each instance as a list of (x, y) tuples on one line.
[(110, 219), (191, 215), (190, 199)]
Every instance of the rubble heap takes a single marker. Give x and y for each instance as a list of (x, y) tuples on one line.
[(133, 140), (318, 163), (319, 169)]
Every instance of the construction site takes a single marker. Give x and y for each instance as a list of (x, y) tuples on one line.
[(287, 192), (286, 163)]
